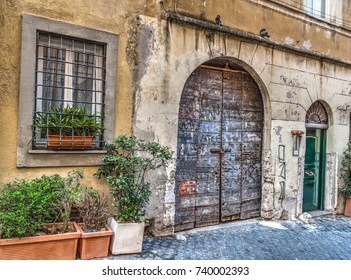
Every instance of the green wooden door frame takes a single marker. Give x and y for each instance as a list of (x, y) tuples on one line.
[(314, 170)]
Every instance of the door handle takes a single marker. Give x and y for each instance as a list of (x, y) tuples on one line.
[(309, 173), (219, 151)]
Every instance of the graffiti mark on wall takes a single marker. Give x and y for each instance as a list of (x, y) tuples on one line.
[(289, 82), (282, 170), (291, 94), (187, 188)]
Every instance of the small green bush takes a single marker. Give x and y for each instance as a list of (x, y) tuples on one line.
[(94, 208), (125, 167), (70, 191), (25, 205), (345, 172), (68, 120)]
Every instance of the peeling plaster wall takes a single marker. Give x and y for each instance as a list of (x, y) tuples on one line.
[(155, 58), (117, 17), (290, 83), (301, 30)]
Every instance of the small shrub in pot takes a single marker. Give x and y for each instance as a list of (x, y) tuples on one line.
[(25, 205), (125, 168), (94, 208), (29, 212)]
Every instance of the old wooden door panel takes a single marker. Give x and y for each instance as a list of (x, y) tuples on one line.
[(207, 199), (187, 154), (219, 148), (242, 124)]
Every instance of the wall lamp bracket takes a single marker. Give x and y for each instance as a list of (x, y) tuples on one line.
[(297, 135)]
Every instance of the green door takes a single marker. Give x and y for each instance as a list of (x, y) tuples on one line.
[(313, 189)]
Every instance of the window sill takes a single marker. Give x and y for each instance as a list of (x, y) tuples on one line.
[(67, 152), (63, 158)]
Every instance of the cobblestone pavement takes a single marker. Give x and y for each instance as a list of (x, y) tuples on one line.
[(325, 238)]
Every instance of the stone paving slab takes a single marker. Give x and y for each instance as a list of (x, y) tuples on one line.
[(324, 238)]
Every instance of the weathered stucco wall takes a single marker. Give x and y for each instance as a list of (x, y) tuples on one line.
[(117, 17), (156, 56), (284, 24), (290, 83)]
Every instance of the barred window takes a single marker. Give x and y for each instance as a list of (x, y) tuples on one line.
[(69, 93)]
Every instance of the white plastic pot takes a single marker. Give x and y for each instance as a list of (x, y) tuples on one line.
[(127, 238)]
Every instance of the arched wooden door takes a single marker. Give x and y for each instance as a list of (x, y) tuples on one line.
[(218, 174)]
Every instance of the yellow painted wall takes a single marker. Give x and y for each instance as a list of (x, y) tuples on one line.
[(106, 15), (292, 26)]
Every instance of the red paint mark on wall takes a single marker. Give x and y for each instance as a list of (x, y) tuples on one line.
[(187, 188)]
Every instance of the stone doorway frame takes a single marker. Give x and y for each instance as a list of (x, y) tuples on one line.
[(330, 181)]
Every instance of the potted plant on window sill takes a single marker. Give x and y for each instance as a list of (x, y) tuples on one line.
[(27, 211), (94, 209), (345, 172), (67, 128), (125, 167)]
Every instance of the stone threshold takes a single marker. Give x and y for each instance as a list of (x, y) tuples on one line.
[(319, 213)]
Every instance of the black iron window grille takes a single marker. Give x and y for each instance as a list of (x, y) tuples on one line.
[(69, 93)]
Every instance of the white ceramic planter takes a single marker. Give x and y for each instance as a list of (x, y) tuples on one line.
[(127, 238)]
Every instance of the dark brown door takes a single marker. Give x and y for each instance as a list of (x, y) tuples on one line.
[(218, 176)]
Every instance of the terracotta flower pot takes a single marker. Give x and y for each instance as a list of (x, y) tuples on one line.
[(94, 244), (61, 246), (55, 141), (347, 211)]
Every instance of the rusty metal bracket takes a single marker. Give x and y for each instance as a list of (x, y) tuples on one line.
[(219, 151)]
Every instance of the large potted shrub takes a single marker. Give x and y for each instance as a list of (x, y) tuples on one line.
[(125, 168), (94, 209), (29, 213), (69, 127), (345, 172)]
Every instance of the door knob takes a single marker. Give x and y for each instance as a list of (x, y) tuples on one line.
[(309, 173)]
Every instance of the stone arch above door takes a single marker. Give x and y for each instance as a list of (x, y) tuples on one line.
[(219, 151)]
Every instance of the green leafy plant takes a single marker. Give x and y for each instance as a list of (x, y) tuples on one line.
[(94, 208), (125, 168), (68, 121), (69, 193), (345, 172), (25, 205)]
